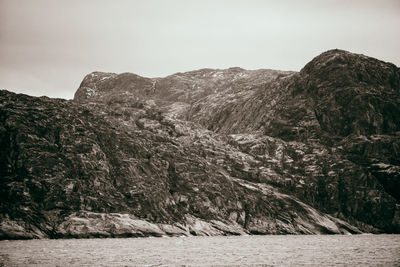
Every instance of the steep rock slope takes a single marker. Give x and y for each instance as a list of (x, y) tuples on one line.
[(346, 103), (357, 102), (123, 169), (336, 119), (206, 152)]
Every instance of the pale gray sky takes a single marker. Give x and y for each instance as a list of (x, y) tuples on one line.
[(48, 46)]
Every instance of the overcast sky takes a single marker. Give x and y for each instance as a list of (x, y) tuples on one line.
[(48, 46)]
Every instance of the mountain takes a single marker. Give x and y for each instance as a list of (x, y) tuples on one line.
[(207, 152)]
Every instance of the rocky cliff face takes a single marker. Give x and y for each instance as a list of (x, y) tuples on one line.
[(207, 152)]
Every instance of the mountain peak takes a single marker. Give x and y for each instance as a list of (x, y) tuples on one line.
[(346, 68), (352, 91)]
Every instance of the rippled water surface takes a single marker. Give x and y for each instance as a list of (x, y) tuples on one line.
[(357, 250)]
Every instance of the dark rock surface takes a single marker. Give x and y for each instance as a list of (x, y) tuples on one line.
[(207, 152)]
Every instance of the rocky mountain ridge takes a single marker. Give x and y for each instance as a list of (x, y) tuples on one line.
[(207, 152)]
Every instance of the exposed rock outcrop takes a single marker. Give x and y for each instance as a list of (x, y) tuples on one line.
[(207, 152)]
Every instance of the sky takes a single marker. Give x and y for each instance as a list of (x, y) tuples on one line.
[(48, 46)]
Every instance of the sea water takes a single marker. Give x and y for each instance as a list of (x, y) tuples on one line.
[(275, 250)]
